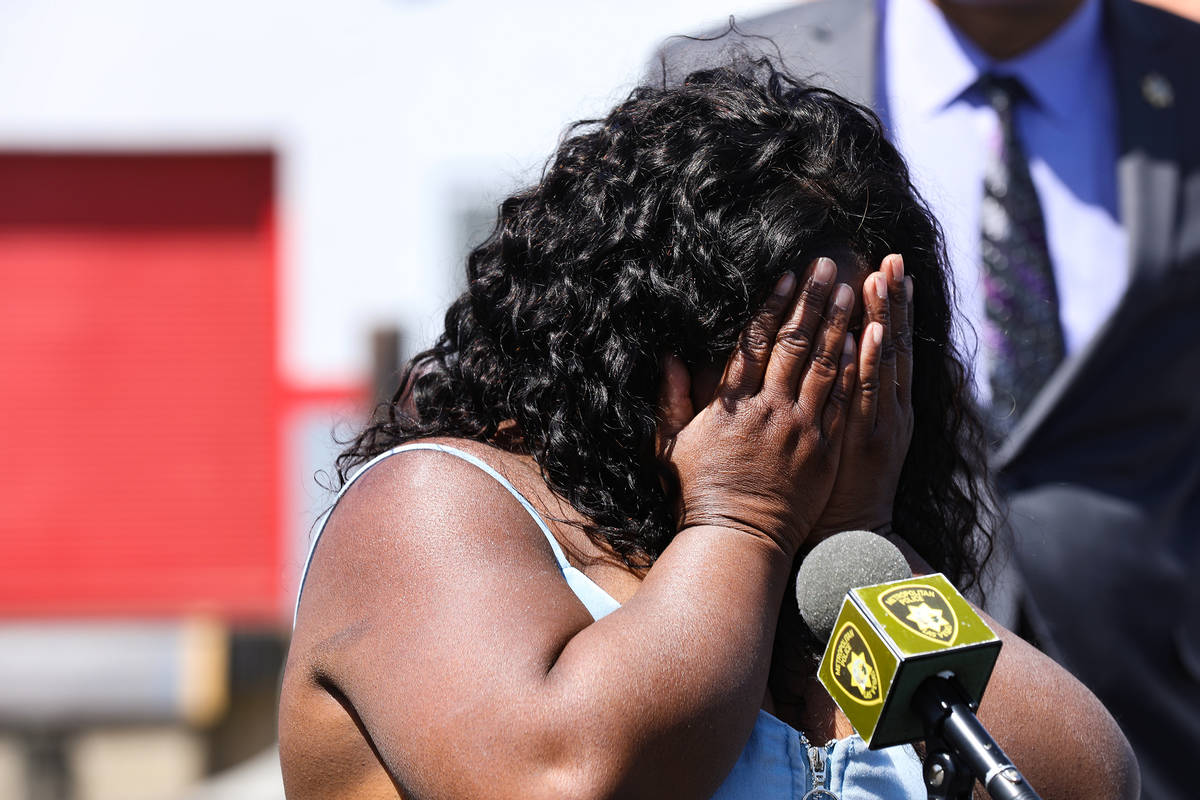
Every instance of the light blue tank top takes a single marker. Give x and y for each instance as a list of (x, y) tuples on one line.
[(777, 763)]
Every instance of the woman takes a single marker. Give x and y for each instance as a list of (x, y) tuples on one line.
[(716, 331)]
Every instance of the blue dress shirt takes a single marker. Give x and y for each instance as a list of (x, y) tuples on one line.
[(1069, 132)]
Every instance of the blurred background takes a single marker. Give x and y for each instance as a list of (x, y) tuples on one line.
[(222, 227)]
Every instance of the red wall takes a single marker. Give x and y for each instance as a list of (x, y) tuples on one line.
[(140, 405)]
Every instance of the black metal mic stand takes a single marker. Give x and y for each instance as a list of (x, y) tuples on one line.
[(959, 749)]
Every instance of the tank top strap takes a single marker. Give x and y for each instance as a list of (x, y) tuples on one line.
[(559, 556), (593, 597)]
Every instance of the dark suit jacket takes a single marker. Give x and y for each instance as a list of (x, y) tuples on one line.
[(1102, 474)]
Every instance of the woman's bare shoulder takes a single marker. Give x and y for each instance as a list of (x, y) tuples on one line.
[(426, 494), (423, 466), (423, 524)]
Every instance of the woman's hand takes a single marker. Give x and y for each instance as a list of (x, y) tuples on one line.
[(762, 455), (879, 421)]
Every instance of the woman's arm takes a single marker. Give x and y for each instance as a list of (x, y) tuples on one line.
[(435, 611), (1055, 731)]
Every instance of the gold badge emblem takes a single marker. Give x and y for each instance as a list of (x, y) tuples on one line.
[(853, 666), (923, 610)]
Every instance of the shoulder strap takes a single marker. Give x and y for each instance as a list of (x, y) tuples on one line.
[(559, 556)]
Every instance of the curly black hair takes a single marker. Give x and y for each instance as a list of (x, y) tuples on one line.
[(660, 229)]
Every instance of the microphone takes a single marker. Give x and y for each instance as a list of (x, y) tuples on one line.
[(907, 659)]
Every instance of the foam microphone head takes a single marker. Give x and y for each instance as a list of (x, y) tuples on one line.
[(835, 566), (887, 633)]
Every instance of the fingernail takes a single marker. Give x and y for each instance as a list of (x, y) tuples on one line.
[(844, 297), (880, 287), (783, 287), (847, 349), (897, 268), (908, 288), (825, 270), (876, 331)]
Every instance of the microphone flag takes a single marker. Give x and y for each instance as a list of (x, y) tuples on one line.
[(890, 637)]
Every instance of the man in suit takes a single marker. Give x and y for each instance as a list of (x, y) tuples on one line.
[(1098, 461)]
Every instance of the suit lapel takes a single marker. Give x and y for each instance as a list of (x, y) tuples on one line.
[(1147, 187)]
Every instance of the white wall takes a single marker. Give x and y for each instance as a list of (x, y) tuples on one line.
[(387, 115)]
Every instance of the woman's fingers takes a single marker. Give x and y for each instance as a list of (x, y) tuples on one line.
[(900, 315), (878, 310), (793, 349), (866, 406), (744, 371), (886, 354), (835, 418), (794, 343), (826, 362)]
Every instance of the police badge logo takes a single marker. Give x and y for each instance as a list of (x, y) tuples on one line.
[(854, 667), (923, 610)]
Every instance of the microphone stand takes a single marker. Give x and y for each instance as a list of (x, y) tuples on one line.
[(959, 749)]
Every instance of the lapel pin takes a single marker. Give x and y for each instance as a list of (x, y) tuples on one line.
[(1157, 90)]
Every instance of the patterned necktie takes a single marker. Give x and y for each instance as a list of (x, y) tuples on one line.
[(1022, 333)]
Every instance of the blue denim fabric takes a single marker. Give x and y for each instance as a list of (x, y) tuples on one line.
[(775, 765)]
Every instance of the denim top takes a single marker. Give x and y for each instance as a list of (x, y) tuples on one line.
[(777, 762)]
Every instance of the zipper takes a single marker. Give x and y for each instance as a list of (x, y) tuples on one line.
[(818, 762)]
